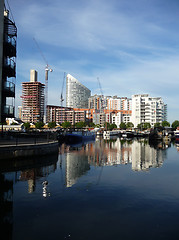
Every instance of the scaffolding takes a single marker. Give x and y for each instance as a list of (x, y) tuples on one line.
[(32, 102)]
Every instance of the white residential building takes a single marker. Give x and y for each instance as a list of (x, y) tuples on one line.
[(76, 93), (119, 103), (146, 109)]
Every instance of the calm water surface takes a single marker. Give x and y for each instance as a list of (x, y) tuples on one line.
[(108, 189)]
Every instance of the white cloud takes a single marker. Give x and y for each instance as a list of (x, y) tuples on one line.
[(132, 46)]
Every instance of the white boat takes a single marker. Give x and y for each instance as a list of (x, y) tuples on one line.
[(110, 133), (176, 134)]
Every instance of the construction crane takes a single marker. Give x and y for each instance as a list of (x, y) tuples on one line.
[(61, 97), (102, 96), (47, 69)]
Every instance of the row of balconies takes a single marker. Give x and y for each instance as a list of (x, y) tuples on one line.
[(9, 68), (8, 110), (9, 48), (9, 89)]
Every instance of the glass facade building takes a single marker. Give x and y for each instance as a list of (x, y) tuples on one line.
[(76, 93)]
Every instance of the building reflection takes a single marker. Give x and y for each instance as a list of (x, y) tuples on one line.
[(6, 206), (9, 178), (76, 166), (111, 152)]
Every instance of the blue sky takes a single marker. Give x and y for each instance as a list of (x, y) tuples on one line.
[(131, 46)]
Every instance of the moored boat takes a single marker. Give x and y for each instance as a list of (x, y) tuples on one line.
[(176, 134), (78, 136)]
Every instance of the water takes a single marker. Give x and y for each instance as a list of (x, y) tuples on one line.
[(108, 189)]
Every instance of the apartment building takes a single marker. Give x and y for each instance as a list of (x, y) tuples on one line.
[(146, 109), (63, 114), (32, 99), (8, 37), (97, 102), (76, 93), (119, 103)]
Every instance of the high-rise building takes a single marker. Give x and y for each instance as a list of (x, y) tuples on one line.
[(76, 93), (32, 99), (119, 103), (8, 35), (146, 109)]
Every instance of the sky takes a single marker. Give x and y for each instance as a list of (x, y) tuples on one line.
[(132, 46)]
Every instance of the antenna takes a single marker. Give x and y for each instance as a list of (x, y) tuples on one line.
[(47, 68)]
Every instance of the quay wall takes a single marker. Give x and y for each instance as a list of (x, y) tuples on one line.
[(28, 150)]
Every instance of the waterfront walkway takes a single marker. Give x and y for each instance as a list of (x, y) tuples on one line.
[(27, 145)]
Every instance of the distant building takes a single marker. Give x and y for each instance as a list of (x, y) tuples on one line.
[(119, 103), (76, 93), (97, 102), (63, 114), (8, 36), (19, 112), (146, 109), (99, 118), (32, 99)]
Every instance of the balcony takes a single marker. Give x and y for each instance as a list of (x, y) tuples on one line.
[(8, 111), (10, 48), (9, 69), (9, 89)]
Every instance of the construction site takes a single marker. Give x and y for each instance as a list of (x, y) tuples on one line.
[(32, 99)]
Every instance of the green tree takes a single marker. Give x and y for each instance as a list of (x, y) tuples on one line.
[(146, 125), (39, 125), (91, 124), (66, 124), (129, 125), (157, 125), (165, 124), (175, 124), (107, 125), (112, 126), (80, 124), (123, 125), (51, 124), (26, 125)]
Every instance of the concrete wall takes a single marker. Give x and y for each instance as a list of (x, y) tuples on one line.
[(1, 47), (23, 151)]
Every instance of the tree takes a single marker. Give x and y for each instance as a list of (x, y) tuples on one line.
[(165, 124), (80, 124), (39, 125), (112, 126), (51, 124), (66, 124), (129, 125), (157, 125), (107, 125), (123, 125), (142, 126), (175, 124), (26, 125), (91, 124), (146, 125)]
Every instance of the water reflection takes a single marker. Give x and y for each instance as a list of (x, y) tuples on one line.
[(8, 178), (6, 206), (112, 152), (26, 191)]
